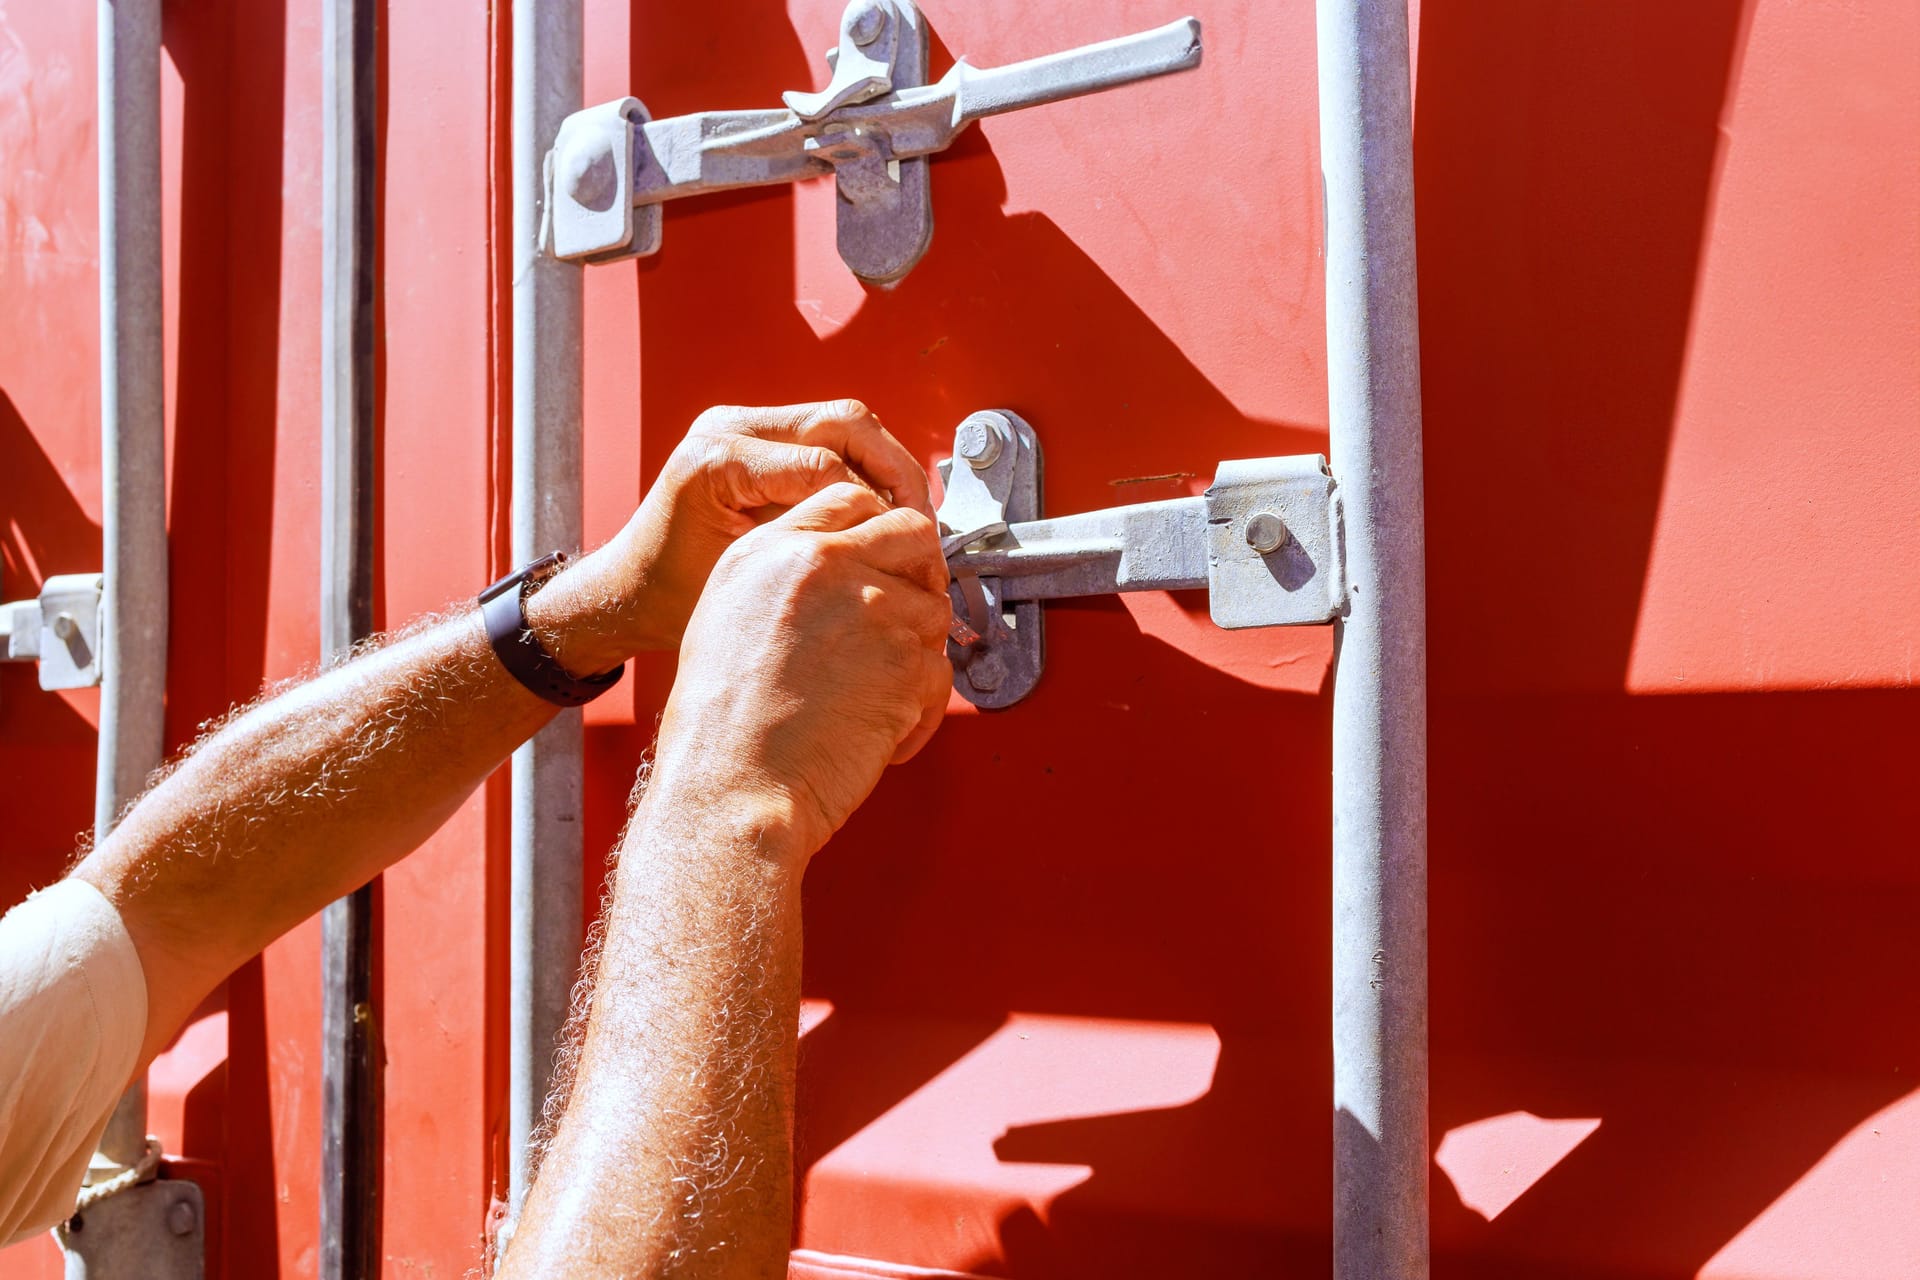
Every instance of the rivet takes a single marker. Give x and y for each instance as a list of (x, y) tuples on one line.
[(64, 626), (867, 25), (181, 1218), (591, 179), (1266, 532)]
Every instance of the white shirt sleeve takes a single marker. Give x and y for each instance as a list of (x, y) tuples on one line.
[(73, 1013)]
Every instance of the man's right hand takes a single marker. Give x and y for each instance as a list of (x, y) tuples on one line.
[(814, 659)]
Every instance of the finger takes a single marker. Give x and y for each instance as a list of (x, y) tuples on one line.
[(937, 686), (766, 473), (904, 543), (836, 508), (851, 430), (927, 614)]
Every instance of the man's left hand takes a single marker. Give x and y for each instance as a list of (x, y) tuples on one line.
[(736, 469)]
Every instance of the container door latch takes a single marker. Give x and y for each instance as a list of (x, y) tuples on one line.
[(60, 630), (872, 128), (1265, 540)]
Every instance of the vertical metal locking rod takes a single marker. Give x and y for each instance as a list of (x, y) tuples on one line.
[(1379, 691), (133, 447), (349, 1019), (546, 874)]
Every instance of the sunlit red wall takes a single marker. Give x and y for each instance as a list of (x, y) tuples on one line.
[(1067, 973)]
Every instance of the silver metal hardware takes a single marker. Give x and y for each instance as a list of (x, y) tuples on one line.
[(1266, 532), (979, 440), (60, 630), (872, 128), (590, 168), (154, 1229), (1265, 541)]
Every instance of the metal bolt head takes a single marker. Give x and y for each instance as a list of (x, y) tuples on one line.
[(181, 1218), (986, 671), (587, 168), (978, 441), (64, 626), (1266, 532), (867, 24)]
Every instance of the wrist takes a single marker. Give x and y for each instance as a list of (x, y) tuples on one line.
[(735, 806), (582, 616)]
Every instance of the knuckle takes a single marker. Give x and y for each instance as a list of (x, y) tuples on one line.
[(908, 648), (721, 452), (701, 452), (725, 465), (855, 498), (821, 462), (919, 524), (844, 409), (804, 559), (932, 617), (716, 420)]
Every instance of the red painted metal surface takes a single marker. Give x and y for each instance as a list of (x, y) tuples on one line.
[(1067, 973)]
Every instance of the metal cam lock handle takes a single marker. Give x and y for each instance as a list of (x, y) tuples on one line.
[(1264, 540), (872, 127)]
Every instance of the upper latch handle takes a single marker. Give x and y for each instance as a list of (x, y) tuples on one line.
[(870, 37), (872, 127)]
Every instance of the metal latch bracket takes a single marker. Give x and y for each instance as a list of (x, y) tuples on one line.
[(60, 630), (872, 128), (1265, 540)]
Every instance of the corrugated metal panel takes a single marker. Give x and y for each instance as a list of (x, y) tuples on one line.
[(1071, 964)]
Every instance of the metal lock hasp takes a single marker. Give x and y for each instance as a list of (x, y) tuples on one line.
[(872, 128), (1265, 540), (60, 630), (997, 645)]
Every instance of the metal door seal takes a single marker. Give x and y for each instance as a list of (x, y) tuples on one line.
[(1264, 540), (872, 128)]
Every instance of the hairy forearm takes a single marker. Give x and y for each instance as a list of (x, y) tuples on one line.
[(674, 1154), (309, 794)]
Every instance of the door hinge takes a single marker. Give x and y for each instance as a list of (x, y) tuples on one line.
[(872, 128), (60, 630), (1264, 540)]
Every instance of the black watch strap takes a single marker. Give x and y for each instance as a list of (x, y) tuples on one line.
[(521, 652)]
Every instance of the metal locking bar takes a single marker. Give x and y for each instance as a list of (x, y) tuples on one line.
[(60, 630), (872, 127), (1265, 541)]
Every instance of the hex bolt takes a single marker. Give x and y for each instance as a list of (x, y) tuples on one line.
[(979, 441), (1266, 532), (986, 671), (867, 25), (181, 1218), (64, 626)]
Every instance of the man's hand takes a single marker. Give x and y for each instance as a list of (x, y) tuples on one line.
[(308, 795), (736, 469), (815, 658)]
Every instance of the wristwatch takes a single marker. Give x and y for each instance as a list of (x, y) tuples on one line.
[(503, 610)]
